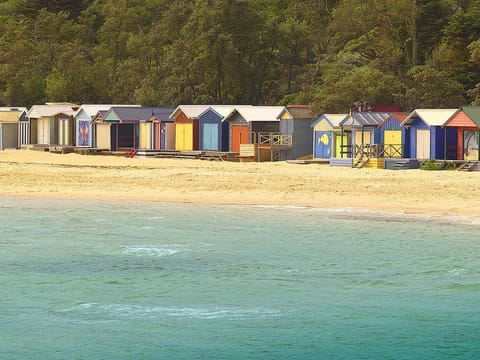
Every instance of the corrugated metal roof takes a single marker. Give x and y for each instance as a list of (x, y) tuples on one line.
[(365, 118), (431, 117), (260, 113), (92, 109), (398, 116), (134, 114), (38, 111), (473, 112)]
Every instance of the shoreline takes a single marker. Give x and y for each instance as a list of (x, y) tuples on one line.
[(340, 212), (29, 173)]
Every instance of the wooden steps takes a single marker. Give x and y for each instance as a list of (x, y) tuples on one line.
[(468, 166), (360, 162)]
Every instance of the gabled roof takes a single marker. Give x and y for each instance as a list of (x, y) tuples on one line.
[(223, 110), (190, 111), (473, 112), (333, 119), (92, 109), (258, 113), (398, 116), (365, 118), (431, 117), (136, 114), (38, 111), (12, 114), (300, 111)]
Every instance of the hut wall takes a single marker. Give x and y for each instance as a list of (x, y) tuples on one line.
[(443, 143), (302, 139), (8, 136), (266, 126), (23, 133)]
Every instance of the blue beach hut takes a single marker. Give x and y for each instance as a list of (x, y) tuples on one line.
[(327, 136), (427, 136), (213, 131)]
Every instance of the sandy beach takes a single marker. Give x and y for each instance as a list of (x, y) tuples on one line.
[(34, 173)]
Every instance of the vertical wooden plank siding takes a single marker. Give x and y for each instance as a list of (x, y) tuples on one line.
[(103, 136), (239, 136), (423, 144), (393, 140), (323, 144), (169, 136), (364, 138), (144, 136), (210, 137), (183, 137), (43, 131), (157, 135)]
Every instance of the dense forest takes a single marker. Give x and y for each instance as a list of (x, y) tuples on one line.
[(416, 54)]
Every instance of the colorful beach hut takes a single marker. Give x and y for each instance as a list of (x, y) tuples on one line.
[(83, 118), (295, 121), (186, 126), (128, 127), (327, 136), (157, 131), (247, 123), (213, 131), (428, 138), (467, 124), (364, 129), (392, 136), (10, 120), (52, 123)]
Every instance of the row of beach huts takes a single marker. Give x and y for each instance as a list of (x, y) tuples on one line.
[(382, 137)]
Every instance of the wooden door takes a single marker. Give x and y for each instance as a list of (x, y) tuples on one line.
[(239, 136), (63, 131), (362, 139), (423, 144), (157, 136), (184, 137), (210, 136), (323, 144), (43, 131), (392, 140), (168, 136)]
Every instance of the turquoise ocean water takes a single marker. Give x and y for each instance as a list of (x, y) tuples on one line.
[(131, 280)]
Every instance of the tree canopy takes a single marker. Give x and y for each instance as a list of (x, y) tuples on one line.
[(411, 53)]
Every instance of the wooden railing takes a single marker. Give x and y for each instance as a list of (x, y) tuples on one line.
[(378, 150), (274, 139)]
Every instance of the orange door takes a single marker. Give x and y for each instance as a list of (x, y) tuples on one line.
[(239, 136), (156, 136)]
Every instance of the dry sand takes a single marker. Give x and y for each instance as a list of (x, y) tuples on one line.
[(33, 173)]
